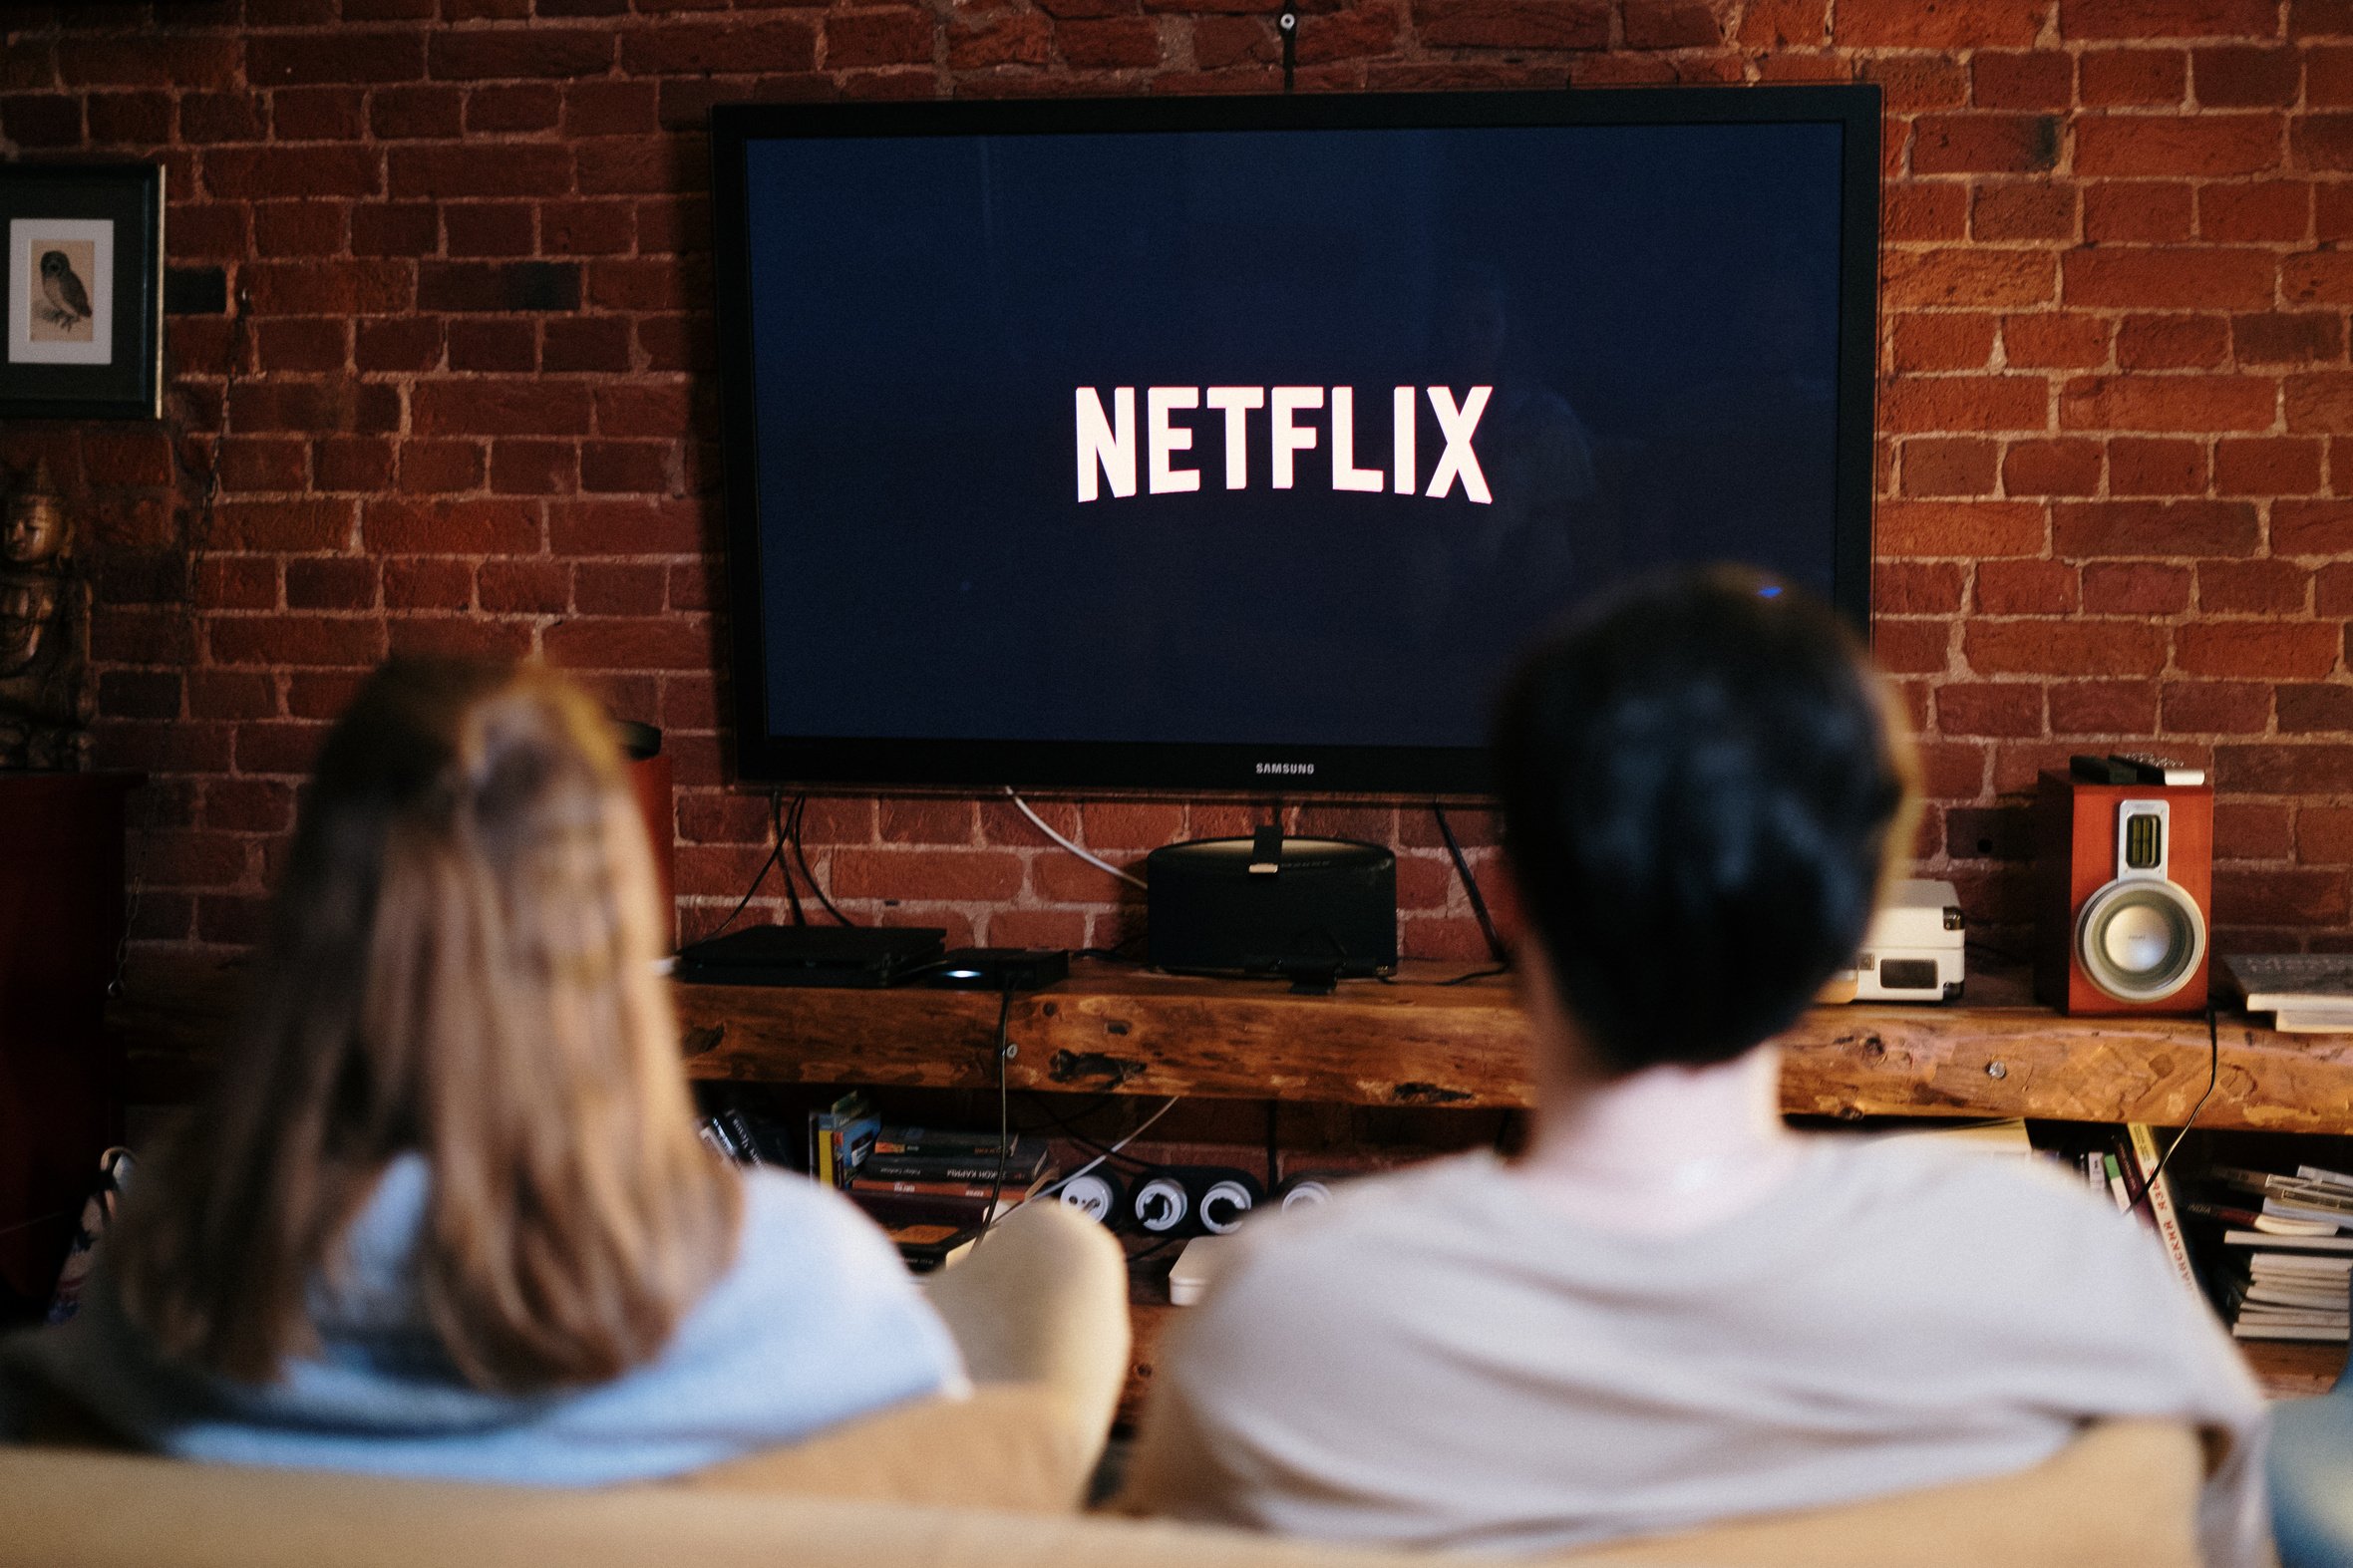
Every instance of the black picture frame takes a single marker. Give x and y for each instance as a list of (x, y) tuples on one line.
[(76, 346), (1455, 773)]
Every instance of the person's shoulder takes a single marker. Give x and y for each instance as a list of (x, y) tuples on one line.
[(2069, 1286), (2020, 1212), (1323, 1258), (810, 1265), (1917, 1168), (793, 1225), (785, 1196), (1403, 1197)]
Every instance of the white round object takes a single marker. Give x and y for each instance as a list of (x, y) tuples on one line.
[(1307, 1195), (2138, 939), (1091, 1195), (1224, 1208), (1161, 1205)]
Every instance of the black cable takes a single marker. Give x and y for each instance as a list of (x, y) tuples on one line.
[(1450, 980), (2213, 1077), (1004, 1054), (1109, 1155), (1101, 1101), (1068, 1129), (1288, 23), (1486, 922), (774, 852), (784, 829), (233, 358), (801, 855)]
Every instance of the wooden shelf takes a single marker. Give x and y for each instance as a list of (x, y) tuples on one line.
[(1420, 1043), (2293, 1368), (1412, 1042)]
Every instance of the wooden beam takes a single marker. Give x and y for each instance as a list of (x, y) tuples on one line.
[(1419, 1043), (1107, 1028), (2024, 1061), (1412, 1042)]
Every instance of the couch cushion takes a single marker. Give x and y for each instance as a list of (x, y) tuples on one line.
[(2122, 1495), (69, 1509), (1009, 1446)]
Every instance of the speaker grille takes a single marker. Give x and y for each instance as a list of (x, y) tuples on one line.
[(2140, 940)]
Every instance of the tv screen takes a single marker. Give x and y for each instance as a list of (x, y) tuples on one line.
[(1237, 444)]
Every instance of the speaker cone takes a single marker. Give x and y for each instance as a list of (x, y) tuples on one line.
[(2141, 939)]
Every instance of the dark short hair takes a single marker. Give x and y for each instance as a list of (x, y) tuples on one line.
[(1700, 776)]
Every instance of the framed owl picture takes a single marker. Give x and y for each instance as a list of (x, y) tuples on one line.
[(82, 331)]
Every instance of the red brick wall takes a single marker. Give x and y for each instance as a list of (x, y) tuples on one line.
[(474, 408)]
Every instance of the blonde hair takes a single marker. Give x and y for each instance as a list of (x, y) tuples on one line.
[(461, 965)]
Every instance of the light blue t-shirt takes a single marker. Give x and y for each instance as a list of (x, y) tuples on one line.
[(816, 1322)]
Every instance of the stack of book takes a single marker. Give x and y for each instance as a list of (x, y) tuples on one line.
[(747, 1137), (935, 1188), (2287, 1251), (2306, 993), (2118, 1164), (840, 1137)]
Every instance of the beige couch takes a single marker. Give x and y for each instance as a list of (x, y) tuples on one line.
[(992, 1482)]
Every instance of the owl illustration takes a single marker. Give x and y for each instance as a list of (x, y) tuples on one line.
[(65, 302)]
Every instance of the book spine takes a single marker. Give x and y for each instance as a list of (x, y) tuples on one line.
[(907, 1207), (928, 1140), (928, 1189), (2161, 1201), (2280, 1244), (901, 1167), (2266, 1331)]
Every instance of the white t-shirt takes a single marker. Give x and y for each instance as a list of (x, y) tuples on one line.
[(1441, 1359)]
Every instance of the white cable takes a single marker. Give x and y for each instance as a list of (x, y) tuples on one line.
[(1165, 1107), (1094, 860)]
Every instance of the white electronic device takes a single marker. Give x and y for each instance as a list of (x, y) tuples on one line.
[(1195, 1267), (1913, 951)]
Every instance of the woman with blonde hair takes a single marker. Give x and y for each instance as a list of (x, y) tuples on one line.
[(445, 1212)]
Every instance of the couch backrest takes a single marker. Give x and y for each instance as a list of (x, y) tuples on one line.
[(2122, 1497), (63, 1508)]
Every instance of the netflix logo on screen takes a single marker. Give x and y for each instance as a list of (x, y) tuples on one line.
[(1295, 420)]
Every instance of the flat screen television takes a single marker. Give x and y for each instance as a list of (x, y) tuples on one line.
[(1236, 443)]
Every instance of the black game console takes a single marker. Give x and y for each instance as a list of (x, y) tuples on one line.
[(862, 956), (997, 969)]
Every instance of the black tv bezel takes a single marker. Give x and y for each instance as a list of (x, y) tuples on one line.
[(884, 764)]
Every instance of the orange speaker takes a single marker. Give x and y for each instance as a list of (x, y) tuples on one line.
[(2124, 876)]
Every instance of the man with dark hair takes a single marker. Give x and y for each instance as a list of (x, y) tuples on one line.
[(1672, 1308)]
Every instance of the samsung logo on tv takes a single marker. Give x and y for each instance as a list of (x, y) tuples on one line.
[(1286, 767), (1107, 445)]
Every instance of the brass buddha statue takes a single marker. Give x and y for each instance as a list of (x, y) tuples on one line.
[(47, 697)]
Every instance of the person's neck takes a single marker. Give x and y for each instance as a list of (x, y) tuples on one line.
[(1664, 1150)]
